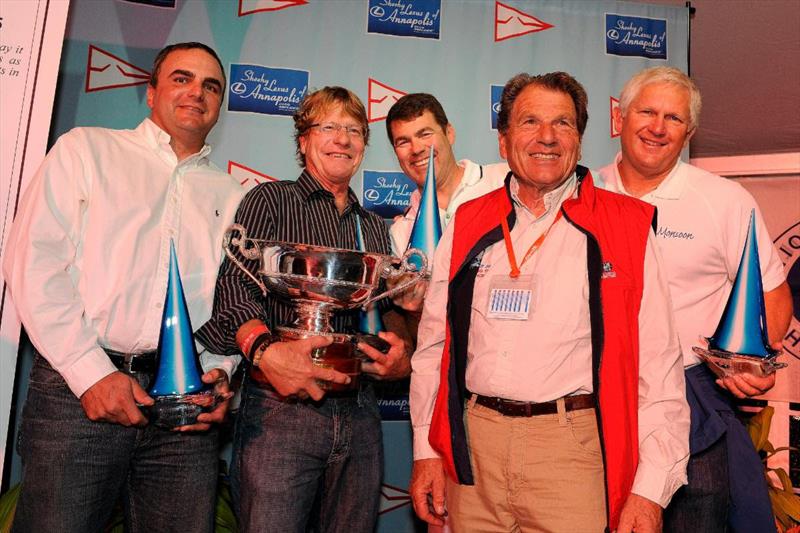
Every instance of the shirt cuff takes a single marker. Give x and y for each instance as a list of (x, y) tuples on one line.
[(657, 485), (86, 371), (422, 448), (209, 361)]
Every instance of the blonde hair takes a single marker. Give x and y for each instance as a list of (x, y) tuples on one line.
[(319, 102)]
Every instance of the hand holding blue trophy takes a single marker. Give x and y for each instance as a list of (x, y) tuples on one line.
[(178, 390)]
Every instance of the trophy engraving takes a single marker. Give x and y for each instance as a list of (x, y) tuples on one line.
[(318, 281)]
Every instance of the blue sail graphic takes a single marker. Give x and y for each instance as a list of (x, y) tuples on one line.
[(179, 368), (743, 326), (369, 320), (427, 228)]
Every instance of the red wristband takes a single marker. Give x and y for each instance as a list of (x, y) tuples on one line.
[(247, 344)]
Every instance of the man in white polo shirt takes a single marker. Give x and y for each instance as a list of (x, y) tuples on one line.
[(702, 226), (414, 124)]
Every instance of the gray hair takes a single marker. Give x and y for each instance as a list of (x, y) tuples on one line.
[(669, 75)]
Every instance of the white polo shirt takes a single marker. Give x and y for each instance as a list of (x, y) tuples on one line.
[(702, 228), (477, 181)]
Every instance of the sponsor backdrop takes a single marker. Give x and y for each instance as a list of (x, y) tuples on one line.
[(275, 51)]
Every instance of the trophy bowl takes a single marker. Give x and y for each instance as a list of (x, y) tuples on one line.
[(320, 280)]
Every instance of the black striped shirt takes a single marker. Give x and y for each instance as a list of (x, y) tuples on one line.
[(299, 211)]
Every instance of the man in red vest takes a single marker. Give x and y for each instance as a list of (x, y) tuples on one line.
[(547, 390)]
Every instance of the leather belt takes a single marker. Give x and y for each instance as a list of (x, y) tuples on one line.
[(133, 363), (527, 409)]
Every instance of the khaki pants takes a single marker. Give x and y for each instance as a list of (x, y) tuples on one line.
[(543, 473)]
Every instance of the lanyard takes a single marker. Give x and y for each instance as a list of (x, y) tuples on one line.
[(512, 259)]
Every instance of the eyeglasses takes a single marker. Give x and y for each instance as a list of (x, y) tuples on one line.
[(332, 128)]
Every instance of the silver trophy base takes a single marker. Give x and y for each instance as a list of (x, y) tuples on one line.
[(725, 364), (340, 355), (170, 412)]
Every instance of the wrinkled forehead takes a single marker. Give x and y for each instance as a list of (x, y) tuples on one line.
[(333, 112)]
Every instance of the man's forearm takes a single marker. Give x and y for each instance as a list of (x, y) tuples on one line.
[(778, 306)]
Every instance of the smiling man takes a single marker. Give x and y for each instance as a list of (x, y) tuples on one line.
[(414, 124), (87, 267), (702, 227), (303, 459), (546, 391)]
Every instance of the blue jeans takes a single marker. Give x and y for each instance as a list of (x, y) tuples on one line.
[(702, 505), (302, 466), (74, 470), (727, 490)]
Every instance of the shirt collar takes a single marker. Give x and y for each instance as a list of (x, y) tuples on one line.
[(159, 140), (308, 186), (552, 199), (472, 173), (669, 189)]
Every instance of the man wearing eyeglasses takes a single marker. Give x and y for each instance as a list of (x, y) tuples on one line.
[(303, 458)]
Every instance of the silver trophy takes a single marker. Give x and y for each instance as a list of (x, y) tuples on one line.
[(318, 281)]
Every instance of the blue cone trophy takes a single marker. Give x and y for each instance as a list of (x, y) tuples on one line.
[(740, 343), (177, 389), (427, 228), (370, 318)]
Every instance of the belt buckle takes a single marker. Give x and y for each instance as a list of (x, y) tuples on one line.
[(127, 362)]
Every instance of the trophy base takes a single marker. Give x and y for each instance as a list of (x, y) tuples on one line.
[(339, 355), (725, 364), (178, 410)]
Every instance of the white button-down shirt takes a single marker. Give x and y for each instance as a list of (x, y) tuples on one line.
[(88, 256)]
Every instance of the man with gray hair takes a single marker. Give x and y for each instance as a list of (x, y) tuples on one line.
[(702, 227)]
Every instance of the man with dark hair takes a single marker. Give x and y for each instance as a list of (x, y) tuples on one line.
[(546, 391), (703, 225), (87, 266), (414, 124), (303, 458)]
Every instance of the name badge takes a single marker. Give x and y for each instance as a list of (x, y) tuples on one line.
[(510, 298)]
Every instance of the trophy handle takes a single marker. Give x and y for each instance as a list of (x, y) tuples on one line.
[(406, 267), (250, 253)]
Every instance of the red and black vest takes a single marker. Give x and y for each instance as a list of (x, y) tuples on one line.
[(616, 229)]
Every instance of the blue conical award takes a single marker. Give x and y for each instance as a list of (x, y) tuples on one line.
[(370, 318), (177, 389), (740, 342), (427, 228)]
